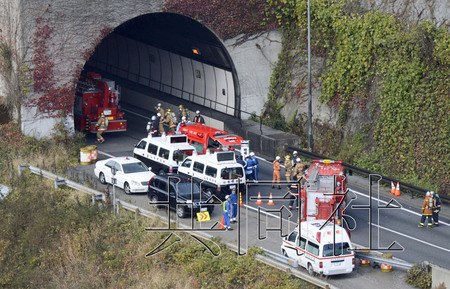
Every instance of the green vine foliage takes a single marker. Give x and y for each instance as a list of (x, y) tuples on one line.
[(400, 69)]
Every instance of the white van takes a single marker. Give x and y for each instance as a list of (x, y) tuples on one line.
[(163, 154), (217, 173), (314, 249)]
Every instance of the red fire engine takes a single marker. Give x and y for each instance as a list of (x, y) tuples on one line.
[(204, 137), (323, 190), (95, 95)]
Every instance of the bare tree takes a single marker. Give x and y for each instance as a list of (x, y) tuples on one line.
[(15, 76)]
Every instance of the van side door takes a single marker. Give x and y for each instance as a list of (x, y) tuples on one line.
[(290, 245), (140, 151)]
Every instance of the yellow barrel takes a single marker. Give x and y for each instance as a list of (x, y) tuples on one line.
[(93, 153), (85, 156)]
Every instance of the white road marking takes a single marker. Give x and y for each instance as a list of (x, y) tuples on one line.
[(384, 202), (106, 154), (132, 112), (412, 238)]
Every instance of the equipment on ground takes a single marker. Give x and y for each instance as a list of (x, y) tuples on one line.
[(96, 95)]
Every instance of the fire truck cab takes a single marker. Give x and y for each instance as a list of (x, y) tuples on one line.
[(96, 95), (205, 138), (323, 190)]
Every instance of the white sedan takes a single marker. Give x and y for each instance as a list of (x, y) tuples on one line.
[(132, 175)]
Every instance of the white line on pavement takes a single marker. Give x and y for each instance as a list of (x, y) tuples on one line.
[(132, 112), (106, 154), (412, 238), (384, 202)]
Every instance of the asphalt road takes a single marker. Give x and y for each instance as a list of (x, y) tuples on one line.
[(389, 225)]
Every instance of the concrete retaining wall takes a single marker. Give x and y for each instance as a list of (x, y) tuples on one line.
[(440, 276)]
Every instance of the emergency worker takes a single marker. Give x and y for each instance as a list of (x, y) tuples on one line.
[(102, 126), (182, 123), (160, 123), (276, 172), (298, 169), (293, 192), (255, 164), (198, 118), (160, 110), (288, 167), (294, 158), (437, 208), (169, 120), (226, 206), (182, 112), (234, 208), (239, 160), (427, 210), (152, 126), (248, 168)]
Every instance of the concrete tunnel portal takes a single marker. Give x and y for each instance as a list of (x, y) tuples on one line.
[(171, 58)]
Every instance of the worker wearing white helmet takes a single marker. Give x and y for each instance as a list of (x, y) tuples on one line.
[(226, 206), (160, 110), (255, 164), (182, 123), (276, 172), (299, 169), (198, 118), (294, 157), (428, 206)]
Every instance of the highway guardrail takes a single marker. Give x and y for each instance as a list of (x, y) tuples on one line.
[(269, 258)]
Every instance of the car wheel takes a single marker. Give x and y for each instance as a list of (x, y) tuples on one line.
[(126, 188), (284, 253), (310, 269), (180, 212), (102, 178), (154, 202)]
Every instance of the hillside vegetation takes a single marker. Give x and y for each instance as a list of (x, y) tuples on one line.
[(55, 238), (394, 74)]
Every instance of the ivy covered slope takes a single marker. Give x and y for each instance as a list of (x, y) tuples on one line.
[(394, 71)]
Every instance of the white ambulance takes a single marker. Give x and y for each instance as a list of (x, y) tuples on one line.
[(163, 154), (218, 173), (314, 250)]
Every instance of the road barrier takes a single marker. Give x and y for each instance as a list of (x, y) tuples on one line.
[(386, 180), (269, 258), (378, 260)]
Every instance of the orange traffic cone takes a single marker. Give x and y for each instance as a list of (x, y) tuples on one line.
[(240, 200), (258, 201), (222, 224), (270, 202), (397, 190), (392, 188)]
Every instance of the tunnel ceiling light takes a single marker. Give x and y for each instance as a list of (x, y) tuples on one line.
[(196, 51)]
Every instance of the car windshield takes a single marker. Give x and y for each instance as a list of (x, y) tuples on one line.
[(184, 189), (134, 168), (232, 173), (339, 249)]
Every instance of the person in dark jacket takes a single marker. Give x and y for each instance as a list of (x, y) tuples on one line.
[(437, 208), (198, 118)]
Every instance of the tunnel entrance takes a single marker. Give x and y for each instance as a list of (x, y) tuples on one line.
[(169, 57)]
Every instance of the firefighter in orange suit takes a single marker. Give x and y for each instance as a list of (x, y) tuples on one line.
[(102, 126), (276, 172), (427, 210)]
